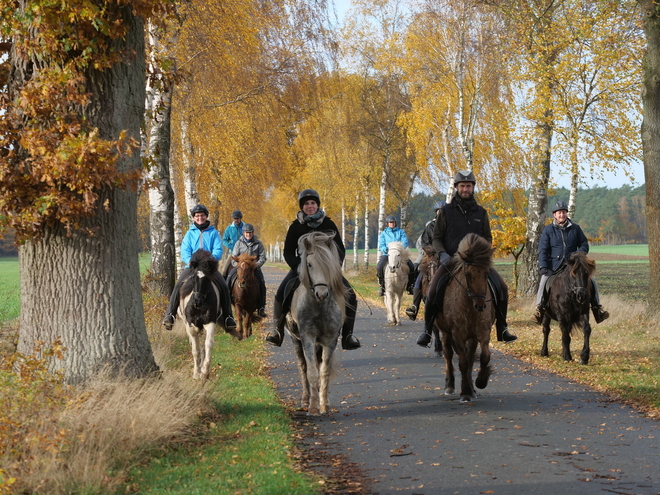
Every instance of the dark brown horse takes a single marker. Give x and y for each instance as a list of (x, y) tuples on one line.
[(427, 268), (568, 303), (468, 315), (245, 293)]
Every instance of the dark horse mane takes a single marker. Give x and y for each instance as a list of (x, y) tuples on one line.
[(578, 261), (431, 255), (476, 250), (205, 261)]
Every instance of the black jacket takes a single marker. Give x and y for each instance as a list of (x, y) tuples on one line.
[(556, 244), (453, 224), (297, 230)]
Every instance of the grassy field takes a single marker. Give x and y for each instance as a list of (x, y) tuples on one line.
[(242, 441)]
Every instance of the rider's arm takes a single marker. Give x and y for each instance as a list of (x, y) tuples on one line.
[(544, 250), (439, 233), (486, 233), (382, 243)]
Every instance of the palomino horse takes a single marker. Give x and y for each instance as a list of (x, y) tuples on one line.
[(396, 280), (468, 315), (427, 268), (200, 308), (317, 314), (568, 303), (245, 293)]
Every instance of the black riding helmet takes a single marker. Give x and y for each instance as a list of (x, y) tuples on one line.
[(236, 214), (390, 218), (248, 227), (559, 205), (308, 194), (464, 176), (199, 209)]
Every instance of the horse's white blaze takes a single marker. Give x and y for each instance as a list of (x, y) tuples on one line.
[(396, 280)]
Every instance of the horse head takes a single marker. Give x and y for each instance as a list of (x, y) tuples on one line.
[(320, 266), (476, 255), (396, 256), (245, 267), (580, 271), (204, 266)]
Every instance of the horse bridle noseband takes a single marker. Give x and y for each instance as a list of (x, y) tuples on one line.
[(467, 289), (312, 285)]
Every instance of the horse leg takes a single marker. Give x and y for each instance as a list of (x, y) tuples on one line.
[(465, 351), (209, 329), (247, 324), (193, 337), (566, 328), (309, 350), (396, 306), (448, 351), (325, 371), (302, 369), (388, 305), (546, 334), (484, 365), (438, 343), (586, 351)]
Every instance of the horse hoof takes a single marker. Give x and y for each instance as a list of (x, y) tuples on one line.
[(465, 398), (450, 391), (313, 412)]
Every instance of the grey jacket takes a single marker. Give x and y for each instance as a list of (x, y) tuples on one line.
[(254, 248)]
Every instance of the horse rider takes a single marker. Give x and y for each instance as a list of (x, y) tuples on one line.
[(201, 235), (310, 218), (454, 221), (559, 241), (249, 244), (392, 233), (425, 239), (233, 231)]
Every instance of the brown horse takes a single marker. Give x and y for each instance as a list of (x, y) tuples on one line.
[(245, 293), (468, 315), (568, 303), (427, 268)]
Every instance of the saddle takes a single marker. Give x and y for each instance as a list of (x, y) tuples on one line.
[(493, 283), (548, 284)]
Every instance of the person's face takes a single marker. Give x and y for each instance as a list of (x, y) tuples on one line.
[(391, 224), (200, 218), (310, 207), (560, 216), (465, 190), (237, 221), (248, 235)]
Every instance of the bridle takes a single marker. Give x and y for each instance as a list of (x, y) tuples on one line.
[(470, 294)]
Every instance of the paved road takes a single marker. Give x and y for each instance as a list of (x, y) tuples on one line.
[(528, 432)]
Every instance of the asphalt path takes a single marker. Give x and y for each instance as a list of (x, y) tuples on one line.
[(528, 432)]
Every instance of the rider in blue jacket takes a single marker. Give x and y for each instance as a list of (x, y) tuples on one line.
[(392, 233), (202, 235), (560, 240), (233, 231)]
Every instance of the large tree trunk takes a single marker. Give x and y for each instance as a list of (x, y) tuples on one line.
[(651, 142), (86, 290)]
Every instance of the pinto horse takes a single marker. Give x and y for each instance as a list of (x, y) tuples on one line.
[(396, 280), (427, 268), (468, 315), (318, 310), (200, 308), (245, 293), (568, 303)]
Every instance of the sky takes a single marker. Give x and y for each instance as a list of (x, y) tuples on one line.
[(612, 180)]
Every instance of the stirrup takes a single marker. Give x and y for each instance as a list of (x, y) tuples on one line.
[(350, 342), (230, 324), (168, 321), (424, 340), (412, 312), (275, 338)]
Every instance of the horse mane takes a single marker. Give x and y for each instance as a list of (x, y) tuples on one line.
[(250, 260), (476, 250), (324, 248), (398, 246), (579, 260), (205, 261), (429, 255)]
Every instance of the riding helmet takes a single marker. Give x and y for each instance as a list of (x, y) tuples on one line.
[(390, 218), (308, 194), (248, 227), (559, 205), (199, 209), (236, 214), (438, 205), (465, 176)]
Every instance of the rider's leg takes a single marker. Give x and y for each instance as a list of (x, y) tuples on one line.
[(173, 305), (540, 302), (348, 341), (417, 299), (600, 314), (228, 322), (262, 292), (380, 272), (501, 307), (280, 309), (412, 276), (431, 307)]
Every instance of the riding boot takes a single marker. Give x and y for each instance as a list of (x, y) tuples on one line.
[(228, 323), (381, 286), (348, 341), (600, 314), (412, 277), (424, 340), (276, 336), (417, 299)]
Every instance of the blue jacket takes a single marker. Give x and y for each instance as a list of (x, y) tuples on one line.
[(557, 244), (232, 233), (391, 235), (195, 239)]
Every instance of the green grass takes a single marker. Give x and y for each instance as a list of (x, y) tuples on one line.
[(624, 249), (10, 289)]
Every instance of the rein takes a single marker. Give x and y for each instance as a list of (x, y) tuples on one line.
[(467, 289)]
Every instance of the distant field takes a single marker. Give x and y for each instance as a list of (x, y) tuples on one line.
[(624, 249)]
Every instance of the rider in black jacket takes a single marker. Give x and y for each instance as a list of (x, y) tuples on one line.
[(455, 220), (310, 218)]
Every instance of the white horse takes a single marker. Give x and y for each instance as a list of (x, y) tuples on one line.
[(318, 309), (396, 280)]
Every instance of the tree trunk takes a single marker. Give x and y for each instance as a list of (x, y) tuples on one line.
[(356, 231), (366, 231), (86, 290), (651, 142)]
